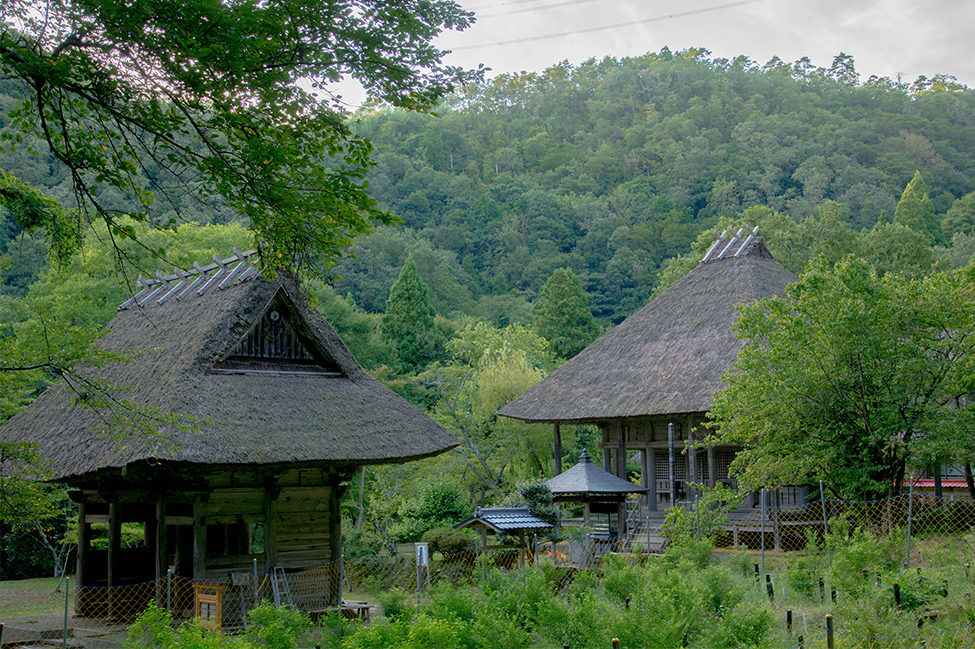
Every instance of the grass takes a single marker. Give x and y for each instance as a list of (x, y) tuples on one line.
[(28, 597)]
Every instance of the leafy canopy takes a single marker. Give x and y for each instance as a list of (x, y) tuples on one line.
[(852, 380), (224, 101)]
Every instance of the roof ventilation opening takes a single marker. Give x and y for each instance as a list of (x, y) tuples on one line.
[(278, 343)]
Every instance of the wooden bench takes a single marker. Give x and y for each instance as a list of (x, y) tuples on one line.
[(350, 610)]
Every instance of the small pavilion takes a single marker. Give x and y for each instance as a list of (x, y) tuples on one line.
[(601, 493)]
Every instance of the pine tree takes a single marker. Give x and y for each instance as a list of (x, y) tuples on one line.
[(916, 211), (562, 314), (409, 321)]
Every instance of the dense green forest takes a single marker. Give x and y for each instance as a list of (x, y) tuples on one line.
[(614, 167)]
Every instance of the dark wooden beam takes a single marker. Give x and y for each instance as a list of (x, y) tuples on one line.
[(558, 449)]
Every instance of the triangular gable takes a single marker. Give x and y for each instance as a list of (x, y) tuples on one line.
[(278, 342)]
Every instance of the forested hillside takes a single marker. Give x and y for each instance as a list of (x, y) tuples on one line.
[(613, 167)]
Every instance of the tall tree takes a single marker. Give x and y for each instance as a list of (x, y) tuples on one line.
[(562, 314), (851, 380), (229, 102), (409, 321), (915, 211)]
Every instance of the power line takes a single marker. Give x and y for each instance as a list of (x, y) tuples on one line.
[(590, 30), (529, 9), (500, 4)]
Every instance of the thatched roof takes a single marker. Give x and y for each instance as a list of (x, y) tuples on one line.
[(269, 376), (586, 480), (668, 357)]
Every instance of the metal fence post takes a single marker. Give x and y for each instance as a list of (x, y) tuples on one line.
[(257, 586), (67, 589), (829, 631), (910, 515), (341, 578), (763, 529), (822, 500)]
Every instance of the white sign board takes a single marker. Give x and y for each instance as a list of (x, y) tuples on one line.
[(423, 554)]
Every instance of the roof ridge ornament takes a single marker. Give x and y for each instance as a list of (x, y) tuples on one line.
[(718, 251), (181, 283)]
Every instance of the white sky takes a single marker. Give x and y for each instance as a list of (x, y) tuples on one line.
[(885, 37)]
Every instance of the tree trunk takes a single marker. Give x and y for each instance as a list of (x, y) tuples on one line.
[(969, 480)]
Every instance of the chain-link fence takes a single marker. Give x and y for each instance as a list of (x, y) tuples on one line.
[(792, 528), (903, 523)]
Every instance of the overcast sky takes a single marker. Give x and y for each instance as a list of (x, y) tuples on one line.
[(885, 37)]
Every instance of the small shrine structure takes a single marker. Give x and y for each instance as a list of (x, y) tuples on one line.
[(601, 493)]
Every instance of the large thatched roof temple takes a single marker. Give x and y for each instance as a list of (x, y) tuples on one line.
[(660, 367), (285, 416)]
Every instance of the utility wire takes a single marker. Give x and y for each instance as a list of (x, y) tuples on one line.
[(590, 30)]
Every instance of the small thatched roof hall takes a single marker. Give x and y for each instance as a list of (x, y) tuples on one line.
[(287, 417), (661, 366)]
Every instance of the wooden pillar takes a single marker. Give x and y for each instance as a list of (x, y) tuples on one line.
[(84, 545), (644, 475), (672, 460), (270, 532), (621, 450), (199, 541), (621, 518), (558, 448), (712, 468), (114, 541), (114, 545), (335, 521), (651, 479), (160, 548), (585, 513), (691, 456)]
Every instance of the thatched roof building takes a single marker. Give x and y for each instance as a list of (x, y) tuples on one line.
[(662, 365), (287, 416)]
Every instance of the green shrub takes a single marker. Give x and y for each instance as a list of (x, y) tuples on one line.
[(449, 542), (276, 628), (396, 603), (744, 626)]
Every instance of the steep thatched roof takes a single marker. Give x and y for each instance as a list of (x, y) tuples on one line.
[(586, 479), (668, 357), (269, 376)]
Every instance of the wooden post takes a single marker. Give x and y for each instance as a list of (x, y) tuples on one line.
[(270, 532), (621, 449), (199, 541), (114, 545), (607, 453), (160, 551), (557, 432), (673, 468), (81, 566), (585, 513), (644, 475), (691, 455), (712, 468), (651, 482), (84, 544)]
